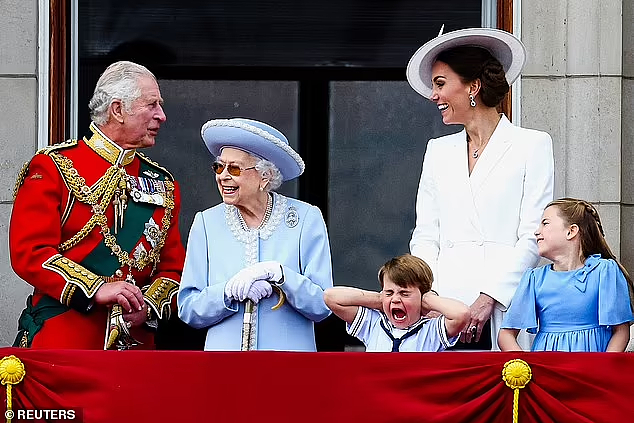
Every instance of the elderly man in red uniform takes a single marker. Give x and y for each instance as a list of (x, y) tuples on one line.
[(94, 226)]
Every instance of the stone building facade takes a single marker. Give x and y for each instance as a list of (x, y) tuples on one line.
[(578, 85)]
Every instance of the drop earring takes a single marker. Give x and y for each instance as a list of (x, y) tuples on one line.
[(472, 100)]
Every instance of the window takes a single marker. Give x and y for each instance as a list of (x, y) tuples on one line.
[(329, 74)]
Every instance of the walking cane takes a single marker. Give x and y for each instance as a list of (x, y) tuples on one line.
[(248, 322)]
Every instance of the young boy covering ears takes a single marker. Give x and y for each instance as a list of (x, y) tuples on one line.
[(393, 319)]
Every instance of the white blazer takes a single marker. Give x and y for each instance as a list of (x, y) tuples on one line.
[(477, 231)]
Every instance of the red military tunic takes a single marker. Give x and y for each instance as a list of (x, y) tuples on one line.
[(63, 206)]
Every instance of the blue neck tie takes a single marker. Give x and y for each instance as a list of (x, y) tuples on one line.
[(396, 342)]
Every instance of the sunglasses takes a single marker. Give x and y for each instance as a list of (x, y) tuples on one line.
[(233, 170)]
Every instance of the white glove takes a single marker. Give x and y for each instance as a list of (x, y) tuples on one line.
[(260, 289), (268, 270), (239, 285)]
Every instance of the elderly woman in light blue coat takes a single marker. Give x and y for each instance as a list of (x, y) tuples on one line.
[(256, 249)]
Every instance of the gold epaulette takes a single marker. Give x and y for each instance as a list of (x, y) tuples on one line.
[(159, 296), (46, 150), (59, 146), (153, 163)]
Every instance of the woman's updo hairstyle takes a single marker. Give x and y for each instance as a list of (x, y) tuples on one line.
[(471, 63)]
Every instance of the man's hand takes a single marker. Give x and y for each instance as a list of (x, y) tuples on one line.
[(127, 295)]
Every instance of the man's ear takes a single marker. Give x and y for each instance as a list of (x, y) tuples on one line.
[(116, 110), (573, 230)]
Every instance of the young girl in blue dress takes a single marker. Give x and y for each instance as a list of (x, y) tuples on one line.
[(580, 302)]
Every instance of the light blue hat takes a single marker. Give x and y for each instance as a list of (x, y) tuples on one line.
[(256, 138)]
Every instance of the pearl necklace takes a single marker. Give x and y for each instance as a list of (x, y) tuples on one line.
[(265, 219)]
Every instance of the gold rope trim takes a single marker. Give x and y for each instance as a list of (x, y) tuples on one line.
[(20, 179), (11, 373), (516, 374), (105, 189)]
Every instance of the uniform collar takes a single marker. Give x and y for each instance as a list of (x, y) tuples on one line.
[(107, 148)]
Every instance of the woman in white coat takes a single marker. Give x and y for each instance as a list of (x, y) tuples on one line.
[(482, 190)]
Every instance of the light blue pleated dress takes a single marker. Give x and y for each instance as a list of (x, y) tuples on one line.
[(571, 311)]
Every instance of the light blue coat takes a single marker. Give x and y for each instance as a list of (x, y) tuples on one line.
[(219, 247)]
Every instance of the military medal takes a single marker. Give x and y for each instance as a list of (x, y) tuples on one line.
[(120, 200)]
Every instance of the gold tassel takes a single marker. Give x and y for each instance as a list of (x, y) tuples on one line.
[(11, 373), (516, 374)]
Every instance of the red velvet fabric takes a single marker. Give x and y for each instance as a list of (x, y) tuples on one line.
[(164, 386)]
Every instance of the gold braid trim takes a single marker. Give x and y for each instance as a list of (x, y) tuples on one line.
[(77, 184), (159, 296), (25, 167), (58, 146), (20, 179), (75, 275), (67, 294), (105, 188)]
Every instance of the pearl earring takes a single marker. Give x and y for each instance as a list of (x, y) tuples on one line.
[(472, 100)]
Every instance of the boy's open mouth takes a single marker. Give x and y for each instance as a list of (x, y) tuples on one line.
[(398, 314)]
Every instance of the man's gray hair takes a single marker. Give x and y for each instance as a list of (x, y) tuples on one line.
[(270, 171), (120, 81)]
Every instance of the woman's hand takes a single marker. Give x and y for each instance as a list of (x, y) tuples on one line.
[(260, 289), (481, 311), (240, 284), (136, 318)]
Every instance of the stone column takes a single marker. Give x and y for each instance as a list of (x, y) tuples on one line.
[(627, 152), (18, 138), (578, 85)]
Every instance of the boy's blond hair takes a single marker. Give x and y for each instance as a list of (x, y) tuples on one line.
[(408, 271)]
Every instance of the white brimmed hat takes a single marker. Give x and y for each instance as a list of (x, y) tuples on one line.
[(504, 46), (256, 138)]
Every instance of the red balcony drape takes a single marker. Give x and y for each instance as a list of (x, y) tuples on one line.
[(165, 386)]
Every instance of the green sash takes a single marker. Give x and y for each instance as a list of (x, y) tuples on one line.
[(33, 317)]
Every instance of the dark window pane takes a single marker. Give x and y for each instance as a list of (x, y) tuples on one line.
[(189, 104), (282, 33), (378, 134)]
